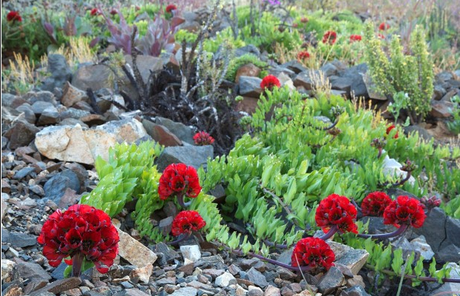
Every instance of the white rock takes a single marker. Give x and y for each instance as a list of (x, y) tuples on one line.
[(224, 279), (134, 252), (250, 288), (272, 291), (450, 287), (420, 244), (392, 168), (143, 273), (7, 268), (191, 253), (352, 258), (286, 80), (240, 291), (5, 197)]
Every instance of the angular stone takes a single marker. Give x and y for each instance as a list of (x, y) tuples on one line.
[(294, 66), (195, 156), (183, 132), (72, 95), (371, 89), (448, 288), (28, 113), (355, 291), (161, 134), (187, 291), (22, 240), (29, 270), (5, 197), (392, 168), (255, 291), (22, 173), (247, 70), (257, 278), (21, 134), (59, 286), (352, 258), (59, 70), (134, 252), (433, 228), (55, 188), (34, 285), (7, 270), (191, 253), (247, 104), (250, 86), (224, 279), (329, 69), (92, 76), (272, 291), (308, 79), (420, 245), (331, 280), (448, 252), (441, 109)]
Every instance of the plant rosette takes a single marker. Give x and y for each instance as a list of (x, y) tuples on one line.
[(80, 235), (203, 138)]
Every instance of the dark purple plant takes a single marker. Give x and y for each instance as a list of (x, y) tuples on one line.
[(49, 29), (70, 29), (120, 33)]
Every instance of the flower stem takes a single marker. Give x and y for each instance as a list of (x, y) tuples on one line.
[(77, 262), (329, 234), (395, 233), (299, 268), (180, 199), (181, 238)]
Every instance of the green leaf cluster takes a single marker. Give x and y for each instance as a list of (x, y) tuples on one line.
[(236, 63)]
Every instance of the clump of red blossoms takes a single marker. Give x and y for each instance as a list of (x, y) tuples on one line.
[(203, 138), (269, 82), (186, 222), (330, 37), (313, 252), (384, 26), (303, 55), (170, 8), (178, 180), (95, 12), (82, 232), (354, 38), (374, 204), (380, 36), (404, 211), (13, 16), (336, 211), (304, 20), (389, 130)]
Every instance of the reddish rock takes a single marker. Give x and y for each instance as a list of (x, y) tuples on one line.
[(441, 109), (247, 70), (247, 105)]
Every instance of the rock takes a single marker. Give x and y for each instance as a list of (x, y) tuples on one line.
[(72, 95), (5, 197), (29, 270), (28, 113), (331, 280), (187, 291), (247, 105), (56, 187), (438, 92), (22, 173), (448, 96), (329, 69), (453, 230), (249, 86), (7, 270), (69, 198), (21, 134), (59, 70), (74, 113), (294, 66), (247, 49), (257, 278), (423, 133), (131, 292), (224, 279), (22, 240), (34, 285), (59, 286), (341, 83), (145, 64), (444, 76), (195, 156), (352, 258), (448, 287), (142, 274), (85, 145), (392, 168), (433, 229), (308, 79), (272, 291), (167, 251), (255, 291), (73, 122), (161, 134), (441, 109), (356, 280), (371, 89), (355, 291), (247, 70), (191, 253), (39, 106), (240, 291), (448, 252), (165, 225), (134, 252), (419, 245), (92, 76)]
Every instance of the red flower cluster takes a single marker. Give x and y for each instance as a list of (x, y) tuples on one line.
[(374, 204), (384, 26), (95, 12), (336, 210), (404, 210), (330, 37), (269, 82), (304, 20), (186, 222), (81, 229), (303, 55), (313, 252), (203, 138), (380, 36), (389, 130), (178, 178), (354, 38), (170, 8), (13, 16)]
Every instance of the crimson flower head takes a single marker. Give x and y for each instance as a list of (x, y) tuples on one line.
[(203, 138), (304, 20), (303, 55), (389, 130), (13, 16), (404, 210), (186, 222), (336, 210), (380, 36), (170, 8), (95, 12), (384, 26), (374, 204), (179, 179), (81, 230), (269, 82), (330, 37), (354, 38), (313, 252)]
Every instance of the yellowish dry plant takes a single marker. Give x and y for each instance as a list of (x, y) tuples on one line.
[(20, 76), (76, 53), (320, 83)]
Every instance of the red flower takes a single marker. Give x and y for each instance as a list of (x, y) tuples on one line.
[(303, 55), (404, 210), (354, 38), (330, 37), (170, 8), (313, 252), (113, 11), (384, 26), (95, 12), (186, 222), (81, 229), (389, 130), (178, 178), (295, 25), (13, 16), (374, 204), (203, 138), (269, 82), (304, 20), (336, 210), (380, 36)]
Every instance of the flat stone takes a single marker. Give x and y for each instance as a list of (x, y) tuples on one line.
[(448, 287), (34, 285), (22, 173), (225, 279), (420, 245), (134, 252), (167, 251), (29, 270), (272, 291), (331, 280), (161, 134), (29, 114), (187, 291), (21, 134), (7, 270), (191, 253), (49, 116), (39, 106), (441, 109), (356, 291), (59, 286), (247, 70), (22, 240), (257, 278), (307, 79), (453, 230), (352, 258), (183, 132), (433, 229), (72, 95), (195, 156), (249, 86)]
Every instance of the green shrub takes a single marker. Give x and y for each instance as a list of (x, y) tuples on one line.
[(236, 63)]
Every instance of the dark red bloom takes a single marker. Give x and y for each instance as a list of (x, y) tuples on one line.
[(304, 20), (330, 37), (303, 55), (380, 36), (384, 26), (269, 82), (178, 178), (95, 12), (81, 229), (404, 210), (13, 16), (186, 222), (170, 8), (336, 210), (389, 130), (354, 38), (313, 252), (374, 204), (203, 138), (113, 11), (295, 25)]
